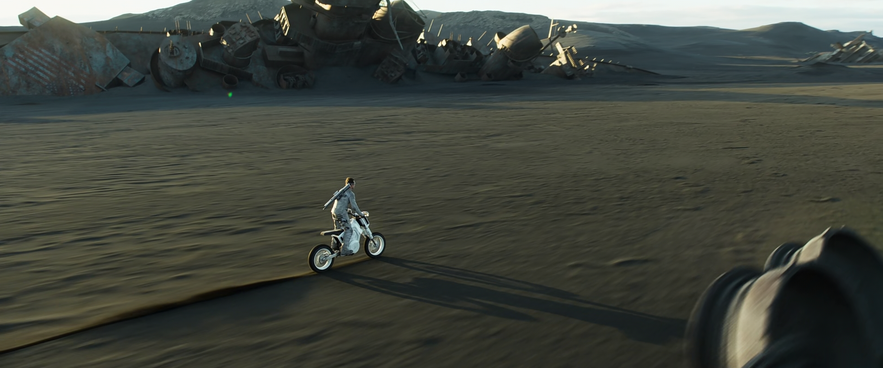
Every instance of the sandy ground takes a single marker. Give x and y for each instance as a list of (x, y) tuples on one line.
[(528, 223)]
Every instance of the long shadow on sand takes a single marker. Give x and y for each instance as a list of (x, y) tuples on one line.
[(503, 298)]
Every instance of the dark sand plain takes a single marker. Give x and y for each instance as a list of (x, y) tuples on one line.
[(536, 223)]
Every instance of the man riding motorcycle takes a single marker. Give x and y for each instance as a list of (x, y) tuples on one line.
[(346, 200)]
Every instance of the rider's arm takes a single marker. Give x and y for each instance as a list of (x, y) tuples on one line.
[(353, 203)]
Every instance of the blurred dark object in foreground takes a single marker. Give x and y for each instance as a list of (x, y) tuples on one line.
[(813, 305)]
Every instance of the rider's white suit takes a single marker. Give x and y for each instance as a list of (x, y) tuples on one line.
[(339, 214)]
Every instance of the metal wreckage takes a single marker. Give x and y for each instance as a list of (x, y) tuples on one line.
[(857, 51), (58, 57)]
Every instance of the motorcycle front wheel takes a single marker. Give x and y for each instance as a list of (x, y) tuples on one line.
[(320, 258), (375, 246)]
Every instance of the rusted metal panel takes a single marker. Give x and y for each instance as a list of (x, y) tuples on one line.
[(59, 58), (7, 37)]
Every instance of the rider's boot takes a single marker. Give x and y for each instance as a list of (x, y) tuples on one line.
[(344, 252)]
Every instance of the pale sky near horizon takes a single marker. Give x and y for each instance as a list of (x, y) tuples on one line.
[(845, 15)]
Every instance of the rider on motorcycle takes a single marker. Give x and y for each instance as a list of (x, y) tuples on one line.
[(339, 212)]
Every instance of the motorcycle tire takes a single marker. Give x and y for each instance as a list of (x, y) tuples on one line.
[(375, 246), (320, 258)]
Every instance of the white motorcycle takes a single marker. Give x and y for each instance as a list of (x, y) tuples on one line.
[(322, 256)]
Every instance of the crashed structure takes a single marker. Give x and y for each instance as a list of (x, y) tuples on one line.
[(857, 51), (305, 36), (58, 57), (61, 58)]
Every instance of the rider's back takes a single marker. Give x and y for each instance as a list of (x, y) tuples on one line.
[(346, 200)]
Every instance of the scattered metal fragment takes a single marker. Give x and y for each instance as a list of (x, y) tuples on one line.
[(609, 66), (392, 69), (561, 32), (857, 51), (568, 65)]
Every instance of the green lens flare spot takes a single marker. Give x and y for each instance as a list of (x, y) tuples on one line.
[(230, 94)]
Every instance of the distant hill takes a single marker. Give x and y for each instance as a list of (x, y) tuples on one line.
[(801, 36), (215, 10), (200, 13)]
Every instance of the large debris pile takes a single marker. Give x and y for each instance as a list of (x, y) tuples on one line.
[(857, 51), (282, 52), (275, 51)]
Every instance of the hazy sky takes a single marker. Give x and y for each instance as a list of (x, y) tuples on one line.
[(845, 15)]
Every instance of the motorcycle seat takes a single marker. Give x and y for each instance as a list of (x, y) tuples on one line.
[(332, 232)]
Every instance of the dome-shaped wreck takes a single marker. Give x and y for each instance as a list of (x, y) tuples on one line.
[(522, 44)]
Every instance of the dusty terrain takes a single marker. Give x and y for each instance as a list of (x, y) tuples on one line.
[(529, 224), (536, 223)]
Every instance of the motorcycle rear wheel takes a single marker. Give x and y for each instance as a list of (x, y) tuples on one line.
[(320, 258)]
